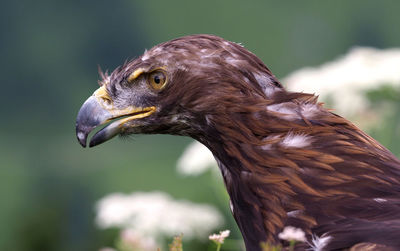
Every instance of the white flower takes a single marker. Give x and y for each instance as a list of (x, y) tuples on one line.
[(107, 249), (290, 233), (137, 241), (157, 214), (195, 160), (219, 238), (345, 80)]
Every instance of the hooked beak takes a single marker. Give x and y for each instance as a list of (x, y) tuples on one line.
[(98, 110)]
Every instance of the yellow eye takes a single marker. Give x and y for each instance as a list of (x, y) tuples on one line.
[(157, 79)]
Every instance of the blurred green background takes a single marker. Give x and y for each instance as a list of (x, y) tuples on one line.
[(50, 51)]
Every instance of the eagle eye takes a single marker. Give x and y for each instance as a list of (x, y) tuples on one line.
[(157, 80)]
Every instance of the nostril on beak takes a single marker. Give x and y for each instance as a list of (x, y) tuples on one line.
[(103, 96), (107, 100)]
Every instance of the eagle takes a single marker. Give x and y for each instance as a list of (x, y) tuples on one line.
[(285, 159)]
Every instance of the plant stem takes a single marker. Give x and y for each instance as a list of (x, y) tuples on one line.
[(291, 247)]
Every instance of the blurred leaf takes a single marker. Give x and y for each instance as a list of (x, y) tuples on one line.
[(386, 93)]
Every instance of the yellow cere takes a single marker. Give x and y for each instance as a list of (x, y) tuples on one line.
[(101, 93), (137, 112), (103, 97)]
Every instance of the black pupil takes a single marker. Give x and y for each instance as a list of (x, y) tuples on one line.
[(157, 79)]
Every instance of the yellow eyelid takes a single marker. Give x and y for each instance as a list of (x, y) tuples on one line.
[(139, 71), (136, 74)]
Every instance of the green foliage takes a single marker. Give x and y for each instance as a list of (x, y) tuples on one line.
[(386, 102), (268, 247), (386, 93)]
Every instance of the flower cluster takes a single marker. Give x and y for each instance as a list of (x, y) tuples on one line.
[(133, 240), (343, 82), (157, 214), (219, 238), (290, 233)]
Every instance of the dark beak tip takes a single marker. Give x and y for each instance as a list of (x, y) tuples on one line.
[(81, 138)]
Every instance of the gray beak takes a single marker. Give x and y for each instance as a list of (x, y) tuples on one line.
[(99, 110)]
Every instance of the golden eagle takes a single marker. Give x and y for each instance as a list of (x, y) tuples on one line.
[(285, 159)]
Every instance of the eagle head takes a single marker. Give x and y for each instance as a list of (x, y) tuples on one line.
[(177, 87)]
